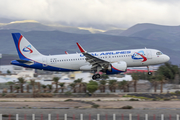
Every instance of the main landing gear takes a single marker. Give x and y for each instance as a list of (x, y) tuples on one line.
[(96, 76)]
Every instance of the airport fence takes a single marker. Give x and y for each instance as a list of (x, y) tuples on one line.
[(88, 117)]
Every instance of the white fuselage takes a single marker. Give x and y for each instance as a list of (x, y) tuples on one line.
[(78, 62)]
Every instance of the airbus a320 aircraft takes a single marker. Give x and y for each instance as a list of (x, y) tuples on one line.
[(109, 62)]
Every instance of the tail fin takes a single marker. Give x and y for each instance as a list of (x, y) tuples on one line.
[(24, 48)]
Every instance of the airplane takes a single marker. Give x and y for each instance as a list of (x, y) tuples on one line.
[(108, 62)]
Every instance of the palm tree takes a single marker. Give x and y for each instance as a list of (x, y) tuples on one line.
[(39, 86), (44, 88), (123, 85), (49, 87), (112, 85), (155, 82), (102, 85), (73, 87), (21, 81), (27, 88), (17, 88), (56, 80), (62, 87), (135, 78), (11, 86), (32, 82), (161, 80), (80, 84), (103, 82)]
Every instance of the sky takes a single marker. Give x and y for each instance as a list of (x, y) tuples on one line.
[(114, 12)]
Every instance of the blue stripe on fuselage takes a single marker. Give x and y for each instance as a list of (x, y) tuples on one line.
[(37, 65)]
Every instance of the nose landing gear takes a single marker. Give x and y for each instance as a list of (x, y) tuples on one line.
[(149, 72)]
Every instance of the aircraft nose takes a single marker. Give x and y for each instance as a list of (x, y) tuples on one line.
[(166, 58)]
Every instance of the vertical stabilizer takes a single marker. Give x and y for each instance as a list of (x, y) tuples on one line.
[(24, 48)]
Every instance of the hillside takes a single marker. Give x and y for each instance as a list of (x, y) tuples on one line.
[(35, 26), (175, 30)]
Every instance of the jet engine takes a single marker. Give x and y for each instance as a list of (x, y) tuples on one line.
[(117, 67)]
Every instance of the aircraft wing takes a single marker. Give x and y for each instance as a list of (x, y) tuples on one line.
[(94, 61)]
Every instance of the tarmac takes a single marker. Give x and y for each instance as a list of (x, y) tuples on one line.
[(58, 107)]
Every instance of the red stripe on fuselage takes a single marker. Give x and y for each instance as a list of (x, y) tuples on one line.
[(144, 58)]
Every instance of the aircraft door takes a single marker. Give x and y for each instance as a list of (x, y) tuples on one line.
[(148, 54), (44, 61), (109, 58)]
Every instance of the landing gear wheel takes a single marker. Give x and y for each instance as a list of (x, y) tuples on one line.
[(94, 77), (98, 76), (149, 73)]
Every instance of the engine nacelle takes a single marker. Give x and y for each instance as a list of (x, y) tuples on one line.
[(117, 67)]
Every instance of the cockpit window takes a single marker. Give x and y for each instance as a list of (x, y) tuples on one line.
[(159, 53)]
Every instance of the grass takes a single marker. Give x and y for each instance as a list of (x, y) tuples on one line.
[(143, 98), (139, 97)]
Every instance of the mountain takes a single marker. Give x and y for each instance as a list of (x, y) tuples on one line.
[(138, 28), (113, 32), (5, 20), (31, 25)]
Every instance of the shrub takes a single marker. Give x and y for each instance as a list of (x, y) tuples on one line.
[(177, 92), (3, 94), (95, 106), (132, 99), (68, 100), (166, 99), (127, 107), (98, 100), (154, 99)]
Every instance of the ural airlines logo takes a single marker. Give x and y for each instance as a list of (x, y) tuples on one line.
[(139, 55), (27, 49)]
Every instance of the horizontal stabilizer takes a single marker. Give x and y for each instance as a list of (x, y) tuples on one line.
[(25, 62)]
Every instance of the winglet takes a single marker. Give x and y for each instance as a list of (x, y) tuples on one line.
[(80, 48)]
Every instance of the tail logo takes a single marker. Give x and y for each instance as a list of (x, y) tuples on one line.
[(27, 49), (139, 55)]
